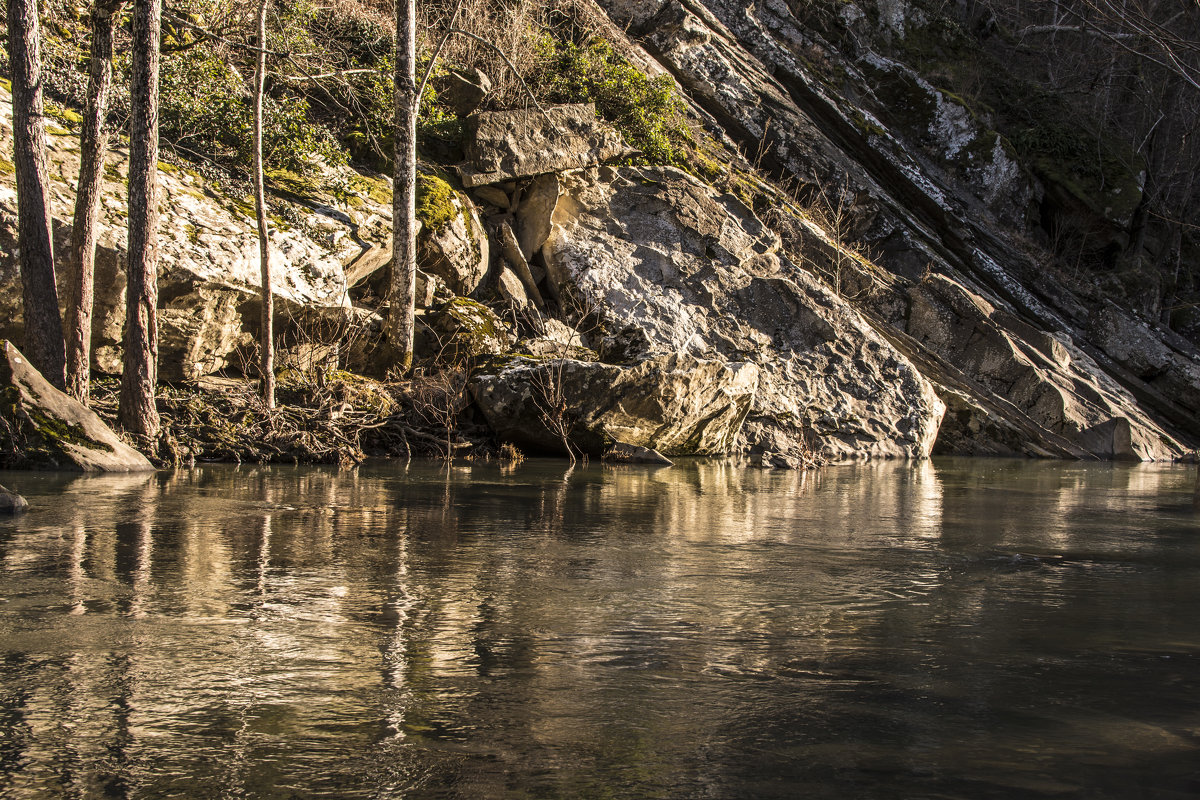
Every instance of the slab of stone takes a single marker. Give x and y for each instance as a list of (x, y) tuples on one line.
[(46, 429), (536, 213), (516, 259), (503, 145), (676, 404)]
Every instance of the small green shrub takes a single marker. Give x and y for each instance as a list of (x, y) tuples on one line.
[(205, 108), (647, 111)]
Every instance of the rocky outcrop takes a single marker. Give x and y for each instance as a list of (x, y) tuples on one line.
[(208, 278), (503, 145), (923, 184), (42, 428), (463, 329), (675, 404), (671, 266)]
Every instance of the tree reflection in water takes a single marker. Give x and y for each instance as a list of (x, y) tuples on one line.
[(879, 630)]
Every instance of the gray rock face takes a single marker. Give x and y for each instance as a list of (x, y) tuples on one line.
[(463, 90), (1071, 404), (932, 191), (503, 145), (673, 267), (675, 404), (45, 429)]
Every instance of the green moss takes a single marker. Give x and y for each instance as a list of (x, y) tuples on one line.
[(64, 115), (866, 126), (6, 167), (289, 181), (377, 189), (476, 318), (246, 207), (41, 434), (647, 111), (193, 233), (435, 202), (169, 169)]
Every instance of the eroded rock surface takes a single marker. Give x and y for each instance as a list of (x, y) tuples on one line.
[(674, 267), (43, 428), (208, 278)]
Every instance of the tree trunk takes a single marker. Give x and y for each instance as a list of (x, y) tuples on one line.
[(404, 188), (266, 365), (93, 143), (138, 414), (43, 325)]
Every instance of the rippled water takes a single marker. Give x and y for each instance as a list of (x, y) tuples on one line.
[(960, 629)]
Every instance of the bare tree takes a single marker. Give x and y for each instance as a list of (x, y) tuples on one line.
[(266, 365), (402, 294), (137, 410), (43, 325), (93, 143)]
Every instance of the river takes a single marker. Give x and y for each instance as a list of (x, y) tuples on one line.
[(946, 629)]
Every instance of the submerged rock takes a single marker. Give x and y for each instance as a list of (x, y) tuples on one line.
[(46, 429), (11, 502), (676, 404), (621, 453)]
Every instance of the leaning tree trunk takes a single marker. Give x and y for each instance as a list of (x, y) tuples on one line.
[(138, 414), (404, 188), (43, 324), (266, 365), (92, 147)]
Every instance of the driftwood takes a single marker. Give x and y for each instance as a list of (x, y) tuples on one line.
[(333, 421)]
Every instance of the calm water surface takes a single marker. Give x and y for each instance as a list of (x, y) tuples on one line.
[(960, 629)]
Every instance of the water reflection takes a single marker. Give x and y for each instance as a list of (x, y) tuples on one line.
[(960, 629)]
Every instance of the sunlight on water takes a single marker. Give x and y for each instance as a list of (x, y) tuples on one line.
[(949, 629)]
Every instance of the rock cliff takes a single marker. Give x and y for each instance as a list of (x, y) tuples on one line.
[(916, 314)]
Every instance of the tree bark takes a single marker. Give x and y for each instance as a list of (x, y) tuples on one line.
[(43, 344), (404, 188), (137, 412), (266, 366), (93, 144)]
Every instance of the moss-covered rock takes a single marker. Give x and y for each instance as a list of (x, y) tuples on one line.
[(464, 329), (452, 243)]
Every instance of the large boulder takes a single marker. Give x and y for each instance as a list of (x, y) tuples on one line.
[(462, 329), (503, 145), (671, 266), (928, 188), (208, 276), (43, 428), (675, 404)]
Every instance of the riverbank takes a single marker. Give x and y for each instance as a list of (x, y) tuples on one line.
[(333, 417)]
